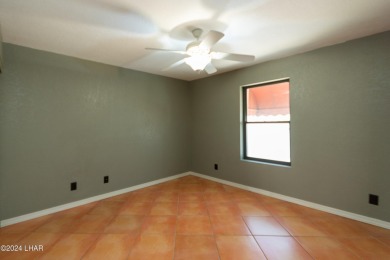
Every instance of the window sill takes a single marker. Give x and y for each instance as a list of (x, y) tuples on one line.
[(249, 160)]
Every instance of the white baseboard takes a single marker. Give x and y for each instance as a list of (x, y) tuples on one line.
[(346, 214), (48, 211), (342, 213)]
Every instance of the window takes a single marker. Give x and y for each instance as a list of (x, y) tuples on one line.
[(266, 126)]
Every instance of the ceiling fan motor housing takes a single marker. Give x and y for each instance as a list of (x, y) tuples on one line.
[(197, 32), (200, 55)]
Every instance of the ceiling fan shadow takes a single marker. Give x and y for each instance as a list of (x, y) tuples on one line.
[(221, 6), (112, 15), (183, 31)]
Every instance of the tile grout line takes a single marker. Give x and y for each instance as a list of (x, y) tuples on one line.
[(345, 214), (211, 224), (292, 236), (382, 242), (253, 236), (74, 204), (312, 205), (175, 234), (79, 214)]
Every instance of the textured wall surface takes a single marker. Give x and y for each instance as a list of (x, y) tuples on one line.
[(340, 125), (63, 119)]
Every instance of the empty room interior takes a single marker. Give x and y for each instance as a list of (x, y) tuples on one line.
[(202, 129)]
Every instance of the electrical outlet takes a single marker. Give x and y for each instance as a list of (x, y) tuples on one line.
[(105, 179), (73, 186), (216, 166), (373, 199)]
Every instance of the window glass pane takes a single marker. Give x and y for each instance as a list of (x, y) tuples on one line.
[(268, 103), (270, 141)]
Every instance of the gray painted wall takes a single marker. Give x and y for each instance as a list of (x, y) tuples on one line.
[(340, 106), (63, 119)]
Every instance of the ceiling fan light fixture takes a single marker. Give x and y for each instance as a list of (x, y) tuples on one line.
[(194, 49), (199, 53), (199, 56), (198, 62)]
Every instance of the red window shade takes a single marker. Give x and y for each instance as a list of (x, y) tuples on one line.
[(268, 103)]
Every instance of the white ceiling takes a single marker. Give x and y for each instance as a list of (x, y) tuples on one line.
[(117, 32)]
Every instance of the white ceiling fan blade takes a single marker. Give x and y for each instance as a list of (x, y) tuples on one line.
[(210, 69), (232, 56), (175, 64), (174, 51), (211, 38)]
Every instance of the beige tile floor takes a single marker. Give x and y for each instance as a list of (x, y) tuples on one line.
[(194, 218)]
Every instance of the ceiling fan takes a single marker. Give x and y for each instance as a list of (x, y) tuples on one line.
[(200, 55)]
